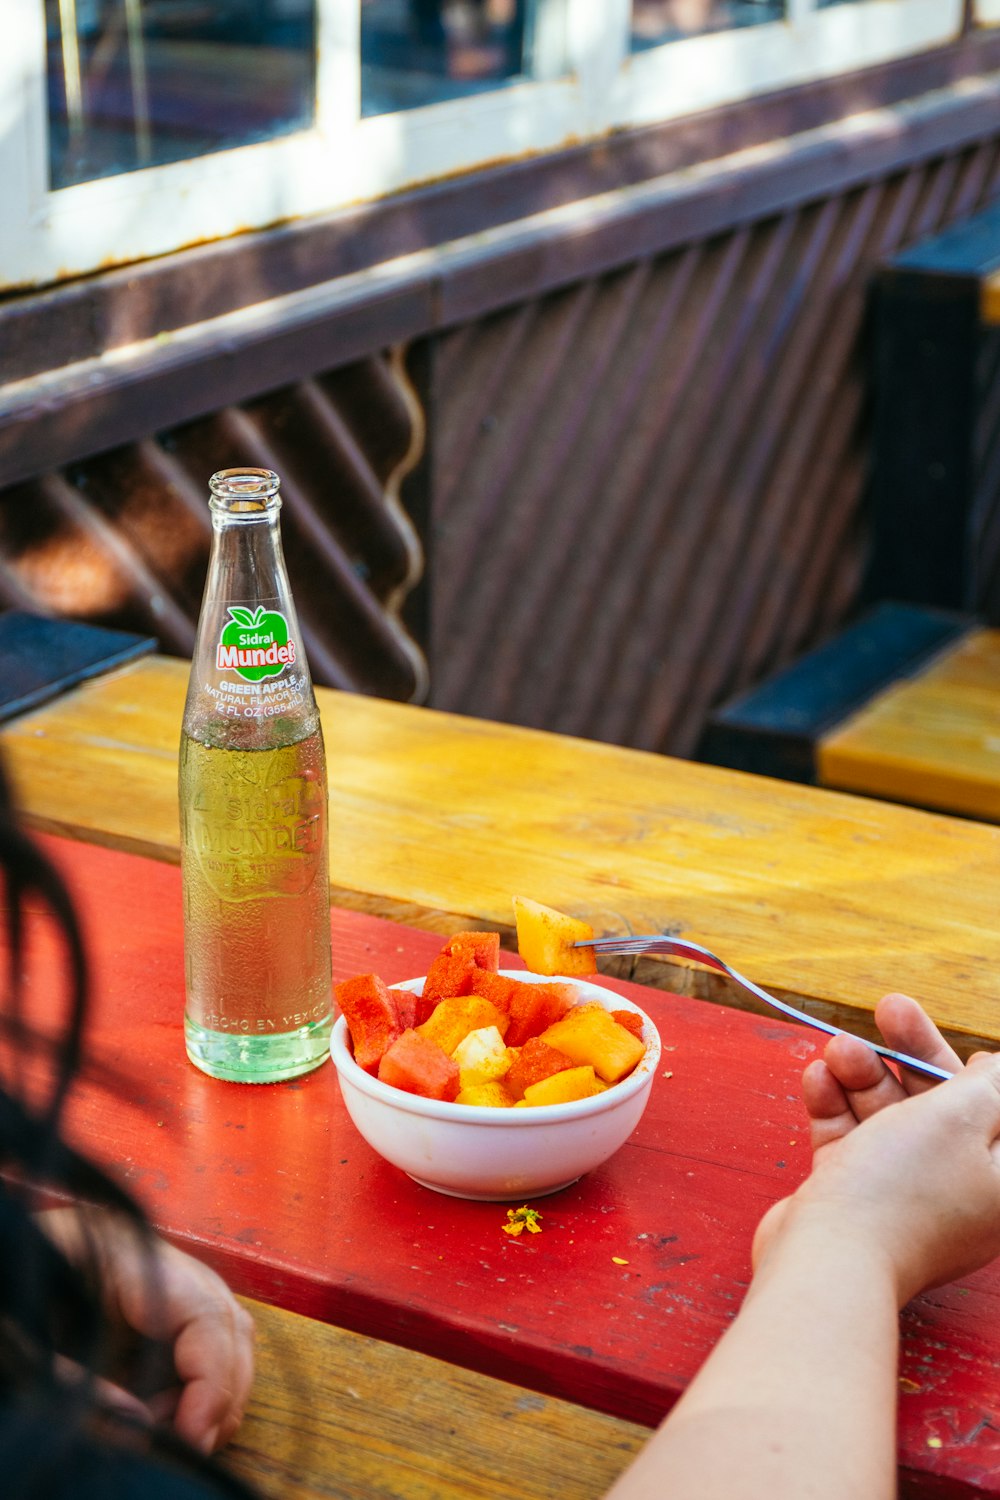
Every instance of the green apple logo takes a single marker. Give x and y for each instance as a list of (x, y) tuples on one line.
[(255, 644)]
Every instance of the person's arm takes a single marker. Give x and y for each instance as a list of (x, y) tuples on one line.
[(798, 1399)]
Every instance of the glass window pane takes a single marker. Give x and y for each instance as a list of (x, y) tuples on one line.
[(416, 52), (658, 21), (133, 83)]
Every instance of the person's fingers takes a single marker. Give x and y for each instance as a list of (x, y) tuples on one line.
[(868, 1084), (906, 1027), (830, 1114), (213, 1353)]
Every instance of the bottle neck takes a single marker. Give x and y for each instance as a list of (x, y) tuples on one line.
[(249, 681)]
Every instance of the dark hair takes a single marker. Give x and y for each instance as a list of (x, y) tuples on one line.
[(58, 1436)]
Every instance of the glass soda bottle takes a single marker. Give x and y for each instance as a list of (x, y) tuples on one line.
[(253, 807)]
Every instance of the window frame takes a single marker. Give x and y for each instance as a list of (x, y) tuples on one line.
[(586, 84)]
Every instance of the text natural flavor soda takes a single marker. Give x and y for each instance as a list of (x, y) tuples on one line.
[(253, 805)]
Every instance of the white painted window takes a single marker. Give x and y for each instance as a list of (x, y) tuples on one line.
[(987, 12), (129, 128)]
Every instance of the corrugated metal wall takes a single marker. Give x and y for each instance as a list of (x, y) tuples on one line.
[(648, 488)]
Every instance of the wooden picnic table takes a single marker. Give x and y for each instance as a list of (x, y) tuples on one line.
[(638, 1269), (437, 820)]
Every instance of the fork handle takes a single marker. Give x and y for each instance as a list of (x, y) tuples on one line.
[(681, 948)]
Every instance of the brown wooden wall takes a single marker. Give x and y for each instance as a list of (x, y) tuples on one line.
[(649, 487)]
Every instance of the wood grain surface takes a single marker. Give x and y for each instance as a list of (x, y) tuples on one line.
[(639, 1268), (439, 820), (338, 1414), (932, 739)]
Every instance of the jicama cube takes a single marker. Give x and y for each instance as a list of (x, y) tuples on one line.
[(482, 1057)]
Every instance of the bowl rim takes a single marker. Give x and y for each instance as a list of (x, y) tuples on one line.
[(492, 1115)]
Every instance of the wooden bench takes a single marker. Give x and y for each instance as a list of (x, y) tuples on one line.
[(903, 706), (337, 1413)]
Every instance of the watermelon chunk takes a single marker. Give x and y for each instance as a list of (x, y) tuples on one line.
[(407, 1005), (631, 1020), (534, 1007), (373, 1017), (449, 975), (483, 947), (496, 988), (418, 1065), (535, 1060)]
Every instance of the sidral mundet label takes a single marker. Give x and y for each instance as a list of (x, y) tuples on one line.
[(255, 644)]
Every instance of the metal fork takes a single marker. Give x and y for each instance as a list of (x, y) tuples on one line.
[(681, 948)]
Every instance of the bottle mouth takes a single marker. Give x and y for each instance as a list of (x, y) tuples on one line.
[(244, 491)]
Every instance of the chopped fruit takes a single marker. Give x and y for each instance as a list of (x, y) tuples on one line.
[(590, 1034), (495, 987), (534, 1061), (419, 1066), (630, 1019), (453, 1019), (482, 947), (373, 1017), (487, 1095), (482, 1057), (533, 1007), (545, 940), (565, 1088), (449, 975), (407, 1008)]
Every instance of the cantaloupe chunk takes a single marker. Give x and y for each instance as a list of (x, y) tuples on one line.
[(488, 1095), (565, 1087), (545, 940), (590, 1034), (453, 1019)]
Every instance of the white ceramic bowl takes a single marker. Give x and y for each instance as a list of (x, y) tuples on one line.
[(469, 1151)]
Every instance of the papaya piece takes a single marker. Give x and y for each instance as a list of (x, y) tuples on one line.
[(419, 1065), (546, 938)]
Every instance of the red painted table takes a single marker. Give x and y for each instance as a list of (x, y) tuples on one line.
[(638, 1268)]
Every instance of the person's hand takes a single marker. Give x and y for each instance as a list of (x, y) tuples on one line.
[(165, 1296), (911, 1167)]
